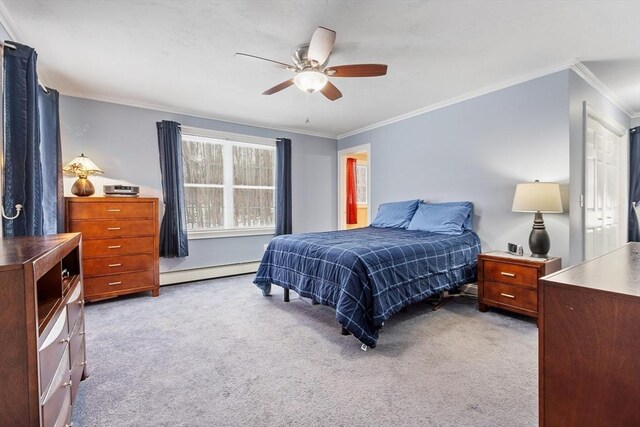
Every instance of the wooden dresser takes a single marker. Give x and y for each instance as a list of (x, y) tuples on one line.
[(589, 342), (120, 254), (42, 355), (510, 282)]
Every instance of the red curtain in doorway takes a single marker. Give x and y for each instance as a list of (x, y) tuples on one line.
[(352, 205)]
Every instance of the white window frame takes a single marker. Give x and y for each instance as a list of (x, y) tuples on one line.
[(229, 140)]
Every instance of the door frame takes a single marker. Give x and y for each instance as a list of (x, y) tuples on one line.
[(589, 112), (342, 182)]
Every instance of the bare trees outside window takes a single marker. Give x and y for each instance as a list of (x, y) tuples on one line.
[(228, 184)]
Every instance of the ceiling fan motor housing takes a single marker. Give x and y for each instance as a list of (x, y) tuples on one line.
[(300, 56)]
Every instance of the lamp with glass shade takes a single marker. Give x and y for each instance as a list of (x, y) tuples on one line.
[(82, 167)]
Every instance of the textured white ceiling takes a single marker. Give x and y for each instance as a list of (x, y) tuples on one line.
[(178, 55)]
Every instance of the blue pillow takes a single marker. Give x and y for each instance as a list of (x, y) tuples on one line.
[(444, 218), (395, 214), (468, 223)]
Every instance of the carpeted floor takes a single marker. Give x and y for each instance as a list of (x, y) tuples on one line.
[(218, 353)]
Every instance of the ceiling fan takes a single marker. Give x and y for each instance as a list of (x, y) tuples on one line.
[(310, 65)]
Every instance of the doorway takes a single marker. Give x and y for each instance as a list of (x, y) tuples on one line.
[(605, 184), (361, 157)]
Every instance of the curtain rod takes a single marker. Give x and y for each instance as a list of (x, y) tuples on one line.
[(10, 46)]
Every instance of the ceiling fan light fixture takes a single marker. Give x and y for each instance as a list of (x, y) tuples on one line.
[(310, 81)]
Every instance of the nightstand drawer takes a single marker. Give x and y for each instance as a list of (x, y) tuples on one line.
[(511, 295), (95, 267), (511, 274), (122, 246), (111, 209)]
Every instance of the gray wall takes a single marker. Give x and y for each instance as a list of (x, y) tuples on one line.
[(580, 91), (122, 140), (478, 150), (634, 122)]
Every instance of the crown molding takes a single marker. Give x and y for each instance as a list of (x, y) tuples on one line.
[(191, 113), (7, 23), (581, 70), (577, 67), (464, 97)]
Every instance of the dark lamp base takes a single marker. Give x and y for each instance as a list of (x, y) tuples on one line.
[(539, 242), (82, 188)]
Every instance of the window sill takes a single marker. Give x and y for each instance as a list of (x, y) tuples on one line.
[(241, 232)]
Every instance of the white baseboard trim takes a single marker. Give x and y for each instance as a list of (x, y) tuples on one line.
[(172, 277)]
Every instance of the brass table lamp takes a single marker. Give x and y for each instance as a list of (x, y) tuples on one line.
[(82, 167)]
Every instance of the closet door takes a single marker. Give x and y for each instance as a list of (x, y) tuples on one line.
[(603, 192)]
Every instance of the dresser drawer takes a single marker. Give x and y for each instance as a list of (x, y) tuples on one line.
[(511, 295), (106, 247), (111, 210), (102, 229), (121, 282), (57, 400), (52, 349), (74, 305), (94, 267), (77, 367), (76, 340), (511, 274)]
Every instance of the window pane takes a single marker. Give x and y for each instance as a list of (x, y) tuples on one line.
[(361, 183), (205, 207), (253, 207), (253, 166), (203, 162)]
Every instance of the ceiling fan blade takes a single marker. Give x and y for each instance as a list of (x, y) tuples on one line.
[(331, 92), (275, 63), (357, 70), (278, 87), (321, 45)]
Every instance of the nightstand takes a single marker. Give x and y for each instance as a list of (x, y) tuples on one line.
[(510, 282)]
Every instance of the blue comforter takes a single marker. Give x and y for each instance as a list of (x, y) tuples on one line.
[(367, 274)]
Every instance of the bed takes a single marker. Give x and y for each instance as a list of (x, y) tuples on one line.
[(368, 274)]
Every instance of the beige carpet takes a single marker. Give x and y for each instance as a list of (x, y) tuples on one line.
[(218, 353)]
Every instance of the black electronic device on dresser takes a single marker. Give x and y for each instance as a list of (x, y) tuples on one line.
[(43, 355)]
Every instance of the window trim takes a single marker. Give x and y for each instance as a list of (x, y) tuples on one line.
[(234, 139)]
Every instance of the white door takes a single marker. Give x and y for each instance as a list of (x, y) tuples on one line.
[(603, 198)]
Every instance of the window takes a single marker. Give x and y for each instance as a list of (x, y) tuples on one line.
[(229, 183), (361, 183)]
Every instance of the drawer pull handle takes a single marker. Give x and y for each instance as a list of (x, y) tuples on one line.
[(79, 302), (115, 265), (113, 228), (69, 384), (507, 295), (64, 340), (113, 210), (115, 283), (114, 247), (507, 274), (84, 363)]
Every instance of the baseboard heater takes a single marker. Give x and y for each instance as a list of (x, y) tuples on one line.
[(204, 273)]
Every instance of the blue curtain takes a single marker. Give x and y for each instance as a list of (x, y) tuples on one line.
[(22, 168), (634, 182), (283, 186), (51, 159), (174, 242)]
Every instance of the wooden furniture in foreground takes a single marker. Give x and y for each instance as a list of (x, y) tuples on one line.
[(590, 342), (510, 282), (42, 358), (120, 236)]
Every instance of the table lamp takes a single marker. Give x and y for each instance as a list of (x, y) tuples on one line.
[(538, 197), (82, 167)]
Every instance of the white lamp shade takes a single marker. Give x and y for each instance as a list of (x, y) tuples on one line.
[(537, 197), (310, 81)]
